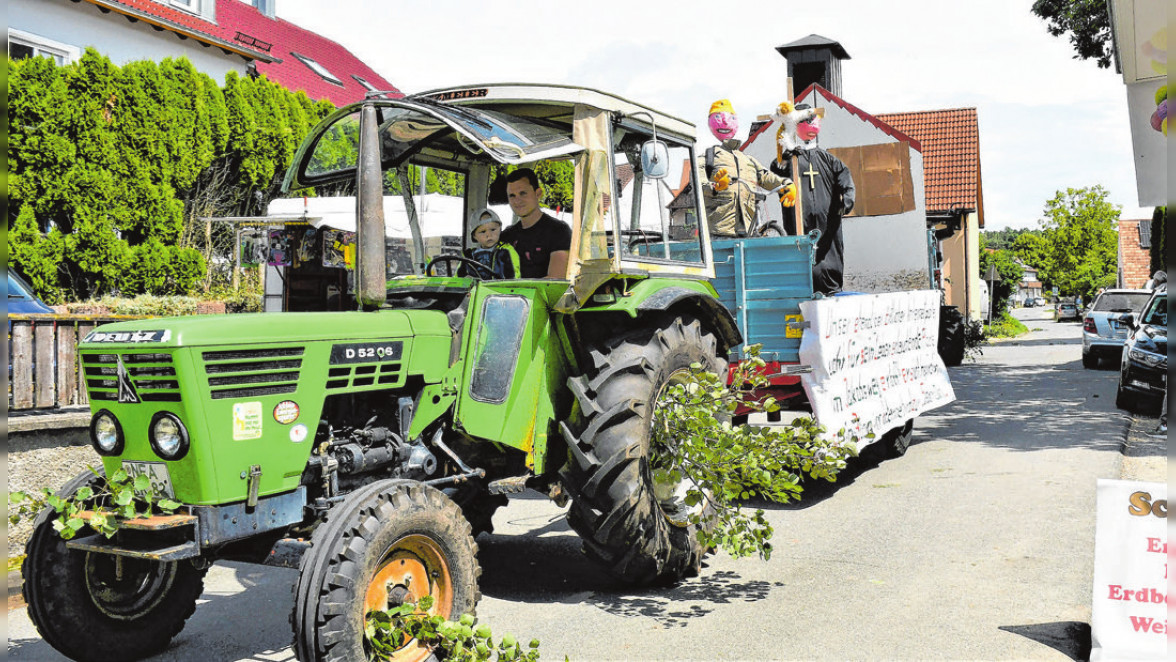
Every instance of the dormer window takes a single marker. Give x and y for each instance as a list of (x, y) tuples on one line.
[(366, 85), (187, 5), (318, 69)]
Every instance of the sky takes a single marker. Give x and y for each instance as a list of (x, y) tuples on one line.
[(1048, 122)]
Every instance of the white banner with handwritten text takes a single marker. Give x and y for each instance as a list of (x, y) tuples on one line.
[(874, 360)]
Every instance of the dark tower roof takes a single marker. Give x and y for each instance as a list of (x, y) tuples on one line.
[(814, 41)]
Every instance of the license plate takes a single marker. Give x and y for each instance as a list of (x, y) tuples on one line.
[(156, 472)]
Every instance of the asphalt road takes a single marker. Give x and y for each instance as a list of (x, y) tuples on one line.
[(977, 545)]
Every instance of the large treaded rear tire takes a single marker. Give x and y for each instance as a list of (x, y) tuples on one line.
[(359, 552), (82, 609), (614, 508)]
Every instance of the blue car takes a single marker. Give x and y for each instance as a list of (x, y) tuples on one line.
[(1143, 372), (21, 298)]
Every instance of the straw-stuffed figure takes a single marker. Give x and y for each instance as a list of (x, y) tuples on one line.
[(824, 185)]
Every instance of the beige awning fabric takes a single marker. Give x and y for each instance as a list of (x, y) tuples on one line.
[(589, 264)]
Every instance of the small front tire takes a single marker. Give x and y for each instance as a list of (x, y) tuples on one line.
[(389, 542), (96, 608)]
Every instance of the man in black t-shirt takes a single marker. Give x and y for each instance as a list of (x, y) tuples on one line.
[(542, 242)]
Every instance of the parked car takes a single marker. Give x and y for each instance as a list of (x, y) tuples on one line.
[(1067, 310), (1030, 302), (1144, 367), (1103, 330), (21, 298)]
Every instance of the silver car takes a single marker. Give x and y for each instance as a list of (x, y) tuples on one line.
[(1103, 330)]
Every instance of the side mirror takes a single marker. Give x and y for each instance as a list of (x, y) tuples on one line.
[(655, 159), (1128, 319)]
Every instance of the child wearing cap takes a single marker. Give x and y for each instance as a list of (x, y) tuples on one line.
[(500, 258)]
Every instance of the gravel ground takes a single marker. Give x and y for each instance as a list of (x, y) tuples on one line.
[(43, 459)]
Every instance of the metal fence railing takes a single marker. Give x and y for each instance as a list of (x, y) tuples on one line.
[(43, 368)]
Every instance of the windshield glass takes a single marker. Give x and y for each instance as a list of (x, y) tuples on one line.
[(16, 289), (1157, 312), (1121, 302)]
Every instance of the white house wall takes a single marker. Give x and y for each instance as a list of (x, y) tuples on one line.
[(882, 253), (80, 24)]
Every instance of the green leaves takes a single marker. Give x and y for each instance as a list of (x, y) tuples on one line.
[(726, 465), (106, 163), (387, 631), (118, 498)]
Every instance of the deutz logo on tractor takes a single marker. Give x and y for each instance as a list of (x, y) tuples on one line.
[(126, 390), (129, 336)]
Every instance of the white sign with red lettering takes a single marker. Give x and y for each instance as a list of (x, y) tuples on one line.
[(1129, 615), (875, 361)]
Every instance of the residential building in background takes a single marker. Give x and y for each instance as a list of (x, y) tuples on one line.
[(955, 195), (217, 36), (1134, 263)]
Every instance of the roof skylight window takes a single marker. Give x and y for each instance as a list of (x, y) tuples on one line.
[(318, 69)]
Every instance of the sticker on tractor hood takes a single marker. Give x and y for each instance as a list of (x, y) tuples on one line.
[(128, 336), (246, 420), (286, 412), (367, 352)]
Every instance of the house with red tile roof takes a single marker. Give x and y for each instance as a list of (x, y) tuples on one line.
[(217, 36), (1134, 259), (954, 194), (943, 170), (886, 246)]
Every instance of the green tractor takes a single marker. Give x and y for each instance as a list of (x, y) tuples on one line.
[(368, 447)]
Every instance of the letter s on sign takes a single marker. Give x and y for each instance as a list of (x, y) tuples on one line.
[(1141, 506)]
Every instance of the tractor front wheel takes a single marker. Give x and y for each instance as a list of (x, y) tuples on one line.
[(388, 543), (102, 608), (634, 527)]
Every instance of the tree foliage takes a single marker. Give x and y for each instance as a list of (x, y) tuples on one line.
[(1159, 238), (1007, 272), (109, 167), (1079, 247), (725, 465), (1086, 22)]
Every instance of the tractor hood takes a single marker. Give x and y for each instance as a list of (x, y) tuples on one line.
[(268, 328)]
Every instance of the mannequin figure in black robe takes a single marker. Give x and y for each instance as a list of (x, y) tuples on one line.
[(826, 192)]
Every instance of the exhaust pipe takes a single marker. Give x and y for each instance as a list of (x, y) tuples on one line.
[(370, 269)]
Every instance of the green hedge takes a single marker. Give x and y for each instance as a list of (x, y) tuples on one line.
[(108, 166)]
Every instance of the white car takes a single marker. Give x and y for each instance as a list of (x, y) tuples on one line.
[(1103, 330)]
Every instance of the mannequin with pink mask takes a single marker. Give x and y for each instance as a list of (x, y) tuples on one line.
[(825, 188), (729, 177)]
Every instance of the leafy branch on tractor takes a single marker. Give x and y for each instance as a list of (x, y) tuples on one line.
[(727, 465), (118, 497)]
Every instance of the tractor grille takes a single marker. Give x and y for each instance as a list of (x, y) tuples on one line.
[(253, 373), (359, 376), (152, 376)]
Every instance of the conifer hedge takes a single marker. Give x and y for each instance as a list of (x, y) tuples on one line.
[(108, 168)]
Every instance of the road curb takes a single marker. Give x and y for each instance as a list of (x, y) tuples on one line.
[(1143, 457), (15, 584)]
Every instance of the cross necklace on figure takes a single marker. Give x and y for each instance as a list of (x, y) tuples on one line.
[(811, 174)]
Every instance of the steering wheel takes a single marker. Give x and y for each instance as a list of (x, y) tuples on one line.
[(476, 270)]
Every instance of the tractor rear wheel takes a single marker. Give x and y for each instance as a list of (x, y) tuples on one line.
[(101, 608), (388, 543), (629, 524)]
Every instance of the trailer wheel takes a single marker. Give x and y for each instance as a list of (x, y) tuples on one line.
[(99, 608), (633, 527), (896, 442), (389, 542), (951, 336)]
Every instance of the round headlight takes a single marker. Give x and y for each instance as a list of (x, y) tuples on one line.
[(168, 437), (106, 434)]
